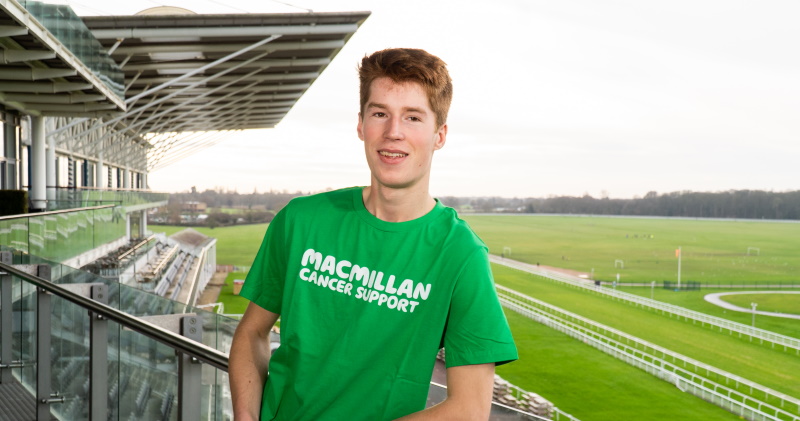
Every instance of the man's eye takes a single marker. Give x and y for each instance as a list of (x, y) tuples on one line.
[(414, 118), (379, 114)]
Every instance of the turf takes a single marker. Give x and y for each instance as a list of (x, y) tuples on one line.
[(713, 251), (234, 304), (236, 245), (772, 368), (693, 300), (778, 303), (591, 385)]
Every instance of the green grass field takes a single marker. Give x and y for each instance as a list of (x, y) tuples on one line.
[(591, 385), (760, 363), (234, 304), (236, 245), (713, 251), (778, 303)]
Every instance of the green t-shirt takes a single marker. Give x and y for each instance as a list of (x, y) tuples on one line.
[(366, 304)]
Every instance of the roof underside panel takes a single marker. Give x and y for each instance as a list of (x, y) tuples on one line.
[(219, 72)]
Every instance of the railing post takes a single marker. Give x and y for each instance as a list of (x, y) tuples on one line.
[(98, 358), (189, 371), (6, 314), (43, 374)]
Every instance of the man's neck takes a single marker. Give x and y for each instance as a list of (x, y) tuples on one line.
[(397, 205)]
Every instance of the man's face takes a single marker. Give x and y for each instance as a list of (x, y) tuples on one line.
[(400, 135)]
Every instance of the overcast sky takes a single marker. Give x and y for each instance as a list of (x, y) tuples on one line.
[(551, 97)]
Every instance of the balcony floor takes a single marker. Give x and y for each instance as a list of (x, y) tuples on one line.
[(16, 403)]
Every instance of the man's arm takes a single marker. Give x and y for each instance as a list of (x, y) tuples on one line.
[(249, 361), (469, 395)]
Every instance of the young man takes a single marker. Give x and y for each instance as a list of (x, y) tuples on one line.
[(371, 282)]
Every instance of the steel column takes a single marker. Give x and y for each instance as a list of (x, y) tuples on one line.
[(5, 321), (43, 373), (50, 169), (38, 181), (189, 371), (98, 358)]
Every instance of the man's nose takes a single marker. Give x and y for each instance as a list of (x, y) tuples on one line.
[(394, 129)]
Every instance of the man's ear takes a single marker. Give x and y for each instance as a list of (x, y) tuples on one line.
[(359, 129), (441, 137)]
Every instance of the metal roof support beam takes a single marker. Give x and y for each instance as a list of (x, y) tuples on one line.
[(277, 62), (212, 102), (230, 31), (43, 87), (34, 73), (115, 46), (203, 68), (178, 92), (12, 31), (205, 94), (262, 88), (166, 145), (19, 56), (54, 98), (261, 78), (221, 48), (195, 146), (192, 73)]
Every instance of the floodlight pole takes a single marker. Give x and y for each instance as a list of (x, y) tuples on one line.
[(753, 306), (680, 255)]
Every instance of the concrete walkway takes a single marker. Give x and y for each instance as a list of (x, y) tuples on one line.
[(716, 300)]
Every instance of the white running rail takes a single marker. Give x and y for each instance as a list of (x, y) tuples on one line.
[(775, 339), (645, 355)]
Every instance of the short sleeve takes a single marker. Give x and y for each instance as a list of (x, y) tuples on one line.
[(477, 331), (265, 281)]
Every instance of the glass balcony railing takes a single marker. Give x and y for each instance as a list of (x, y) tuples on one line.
[(142, 373), (62, 22), (72, 198), (59, 236)]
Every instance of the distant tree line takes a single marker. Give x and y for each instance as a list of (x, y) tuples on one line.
[(745, 204), (219, 198), (750, 204)]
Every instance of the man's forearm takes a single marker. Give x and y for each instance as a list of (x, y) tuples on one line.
[(249, 362), (469, 395), (450, 409), (247, 370)]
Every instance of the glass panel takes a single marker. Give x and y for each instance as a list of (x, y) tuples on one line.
[(142, 373), (65, 25)]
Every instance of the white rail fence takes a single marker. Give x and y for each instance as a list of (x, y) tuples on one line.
[(788, 343), (645, 356)]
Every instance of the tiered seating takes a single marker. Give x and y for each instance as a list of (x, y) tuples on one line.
[(527, 401), (142, 397), (166, 405), (166, 281), (157, 268), (187, 265)]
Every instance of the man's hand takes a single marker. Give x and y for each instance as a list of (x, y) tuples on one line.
[(469, 395), (249, 361)]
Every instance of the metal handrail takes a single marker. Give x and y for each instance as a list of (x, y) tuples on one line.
[(30, 215), (189, 347), (136, 247)]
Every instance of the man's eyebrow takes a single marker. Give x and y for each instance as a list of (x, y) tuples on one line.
[(406, 109)]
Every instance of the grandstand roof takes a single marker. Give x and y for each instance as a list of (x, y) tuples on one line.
[(48, 66), (193, 72)]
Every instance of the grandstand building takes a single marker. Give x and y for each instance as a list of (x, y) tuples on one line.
[(89, 106)]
